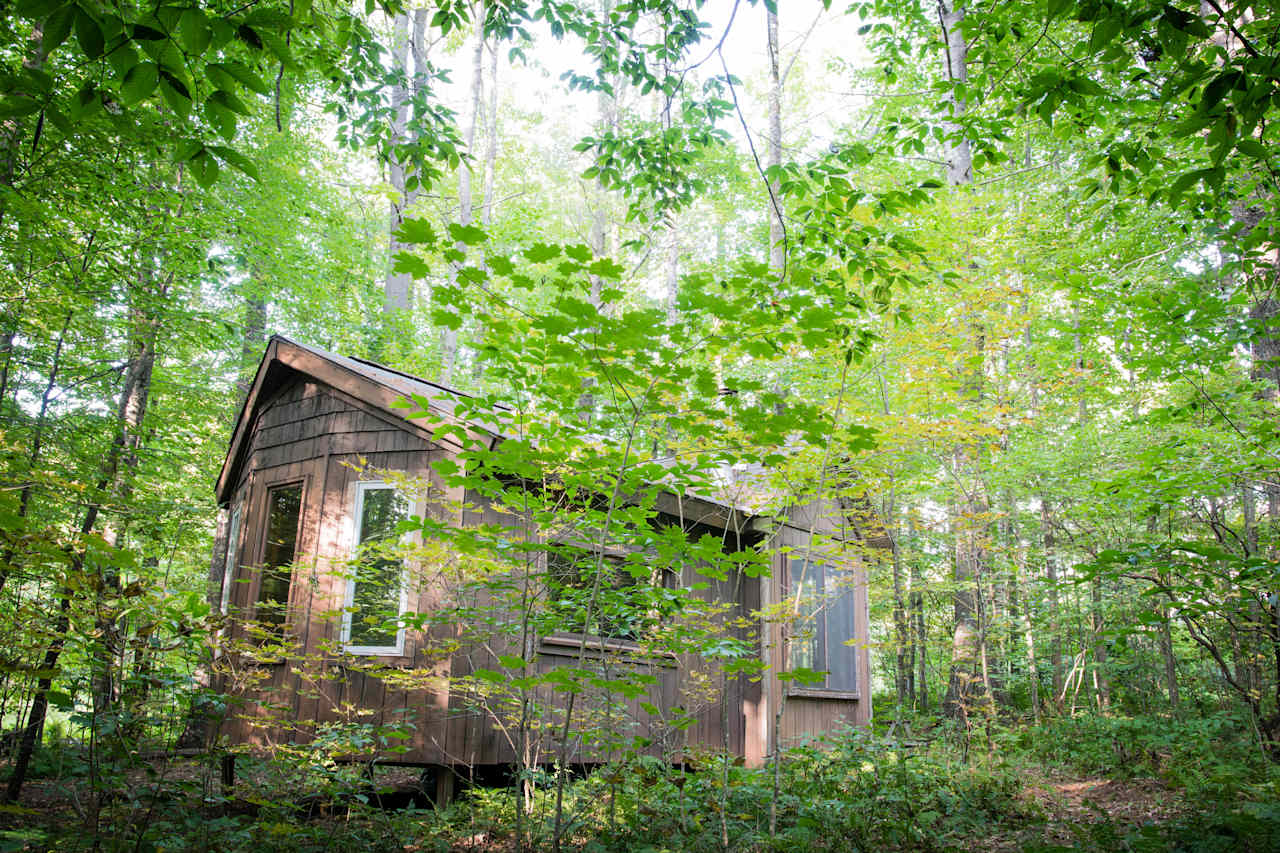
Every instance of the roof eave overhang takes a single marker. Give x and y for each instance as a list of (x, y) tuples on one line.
[(284, 360)]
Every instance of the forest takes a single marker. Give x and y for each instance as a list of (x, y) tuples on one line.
[(993, 284)]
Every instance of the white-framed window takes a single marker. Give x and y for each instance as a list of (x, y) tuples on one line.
[(231, 560), (377, 593)]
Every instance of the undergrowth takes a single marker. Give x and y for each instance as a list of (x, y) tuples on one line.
[(853, 791)]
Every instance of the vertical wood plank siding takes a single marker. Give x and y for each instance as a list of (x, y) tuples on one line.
[(312, 433)]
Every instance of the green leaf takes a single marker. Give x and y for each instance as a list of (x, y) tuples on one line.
[(1253, 148), (87, 101), (195, 31), (249, 36), (236, 160), (240, 73), (57, 27), (1217, 89), (541, 252), (407, 262), (140, 82), (417, 231), (468, 235), (221, 118), (60, 121), (177, 100), (512, 661), (1104, 31), (89, 34), (142, 32), (205, 168), (60, 700), (229, 101), (17, 105), (606, 268), (281, 50)]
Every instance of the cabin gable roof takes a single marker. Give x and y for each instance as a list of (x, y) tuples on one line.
[(382, 389)]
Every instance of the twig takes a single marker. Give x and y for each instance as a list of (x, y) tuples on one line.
[(773, 199)]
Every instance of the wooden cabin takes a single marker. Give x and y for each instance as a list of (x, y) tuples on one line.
[(317, 464)]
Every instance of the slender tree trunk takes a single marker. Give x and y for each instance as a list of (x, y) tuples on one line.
[(6, 351), (1101, 684), (466, 203), (396, 289), (1023, 608), (902, 634), (1051, 582), (601, 244), (1166, 653), (777, 250), (920, 628), (132, 405), (40, 702), (966, 646), (491, 139), (12, 129), (959, 152), (254, 340), (37, 440), (135, 396)]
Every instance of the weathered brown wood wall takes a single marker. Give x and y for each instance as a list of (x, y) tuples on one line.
[(805, 712), (314, 434)]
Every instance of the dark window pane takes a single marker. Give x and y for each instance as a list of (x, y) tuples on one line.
[(375, 600), (824, 623), (284, 506), (616, 614), (841, 658), (231, 561)]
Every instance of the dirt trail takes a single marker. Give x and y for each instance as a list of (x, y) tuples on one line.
[(1076, 810)]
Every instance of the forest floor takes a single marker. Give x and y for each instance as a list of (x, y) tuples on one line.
[(1063, 811), (1083, 812)]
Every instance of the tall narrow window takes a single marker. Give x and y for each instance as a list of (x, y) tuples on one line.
[(375, 590), (823, 627), (284, 509), (807, 646), (231, 560)]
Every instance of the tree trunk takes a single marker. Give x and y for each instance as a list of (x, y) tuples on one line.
[(397, 286), (40, 702), (33, 457), (966, 644), (959, 153), (920, 627), (134, 398), (901, 632), (131, 411), (1022, 608), (254, 341), (466, 204), (1051, 582), (601, 244), (1101, 684), (1170, 662), (777, 249)]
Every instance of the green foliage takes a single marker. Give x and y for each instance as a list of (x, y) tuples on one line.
[(1215, 757)]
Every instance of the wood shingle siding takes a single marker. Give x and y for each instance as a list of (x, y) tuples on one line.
[(314, 418)]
